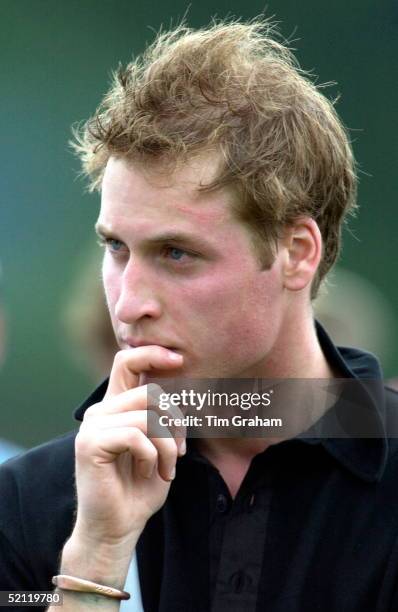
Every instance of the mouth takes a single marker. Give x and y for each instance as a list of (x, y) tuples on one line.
[(132, 343)]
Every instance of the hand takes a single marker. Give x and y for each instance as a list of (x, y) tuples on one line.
[(122, 476)]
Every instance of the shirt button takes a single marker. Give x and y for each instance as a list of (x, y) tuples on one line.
[(251, 502), (239, 581), (221, 503)]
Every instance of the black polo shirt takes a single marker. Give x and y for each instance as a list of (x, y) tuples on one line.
[(313, 527)]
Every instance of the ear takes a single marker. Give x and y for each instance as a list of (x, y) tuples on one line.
[(302, 242)]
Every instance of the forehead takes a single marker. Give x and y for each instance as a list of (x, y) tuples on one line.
[(136, 195)]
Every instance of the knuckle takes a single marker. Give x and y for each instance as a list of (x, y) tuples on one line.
[(133, 435), (153, 393), (177, 413), (170, 449), (153, 389), (83, 444), (139, 421), (90, 411), (136, 438), (151, 453), (119, 358)]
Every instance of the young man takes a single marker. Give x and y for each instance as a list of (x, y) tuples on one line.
[(225, 177)]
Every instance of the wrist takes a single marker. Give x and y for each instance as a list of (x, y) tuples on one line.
[(99, 562), (75, 601)]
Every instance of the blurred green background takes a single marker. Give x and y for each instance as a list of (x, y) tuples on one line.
[(56, 57)]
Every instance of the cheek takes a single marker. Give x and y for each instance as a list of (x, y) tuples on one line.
[(220, 303), (203, 295), (112, 285)]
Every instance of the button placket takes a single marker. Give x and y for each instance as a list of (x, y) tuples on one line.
[(221, 503)]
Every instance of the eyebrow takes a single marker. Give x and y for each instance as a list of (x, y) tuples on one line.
[(102, 230), (174, 237)]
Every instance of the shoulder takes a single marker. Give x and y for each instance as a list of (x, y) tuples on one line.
[(41, 468), (37, 489)]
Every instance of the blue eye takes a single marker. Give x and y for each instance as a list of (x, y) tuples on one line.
[(115, 245), (176, 253)]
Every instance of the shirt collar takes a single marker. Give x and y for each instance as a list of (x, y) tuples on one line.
[(364, 457), (96, 396)]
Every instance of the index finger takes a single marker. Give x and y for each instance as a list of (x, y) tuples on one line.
[(129, 364)]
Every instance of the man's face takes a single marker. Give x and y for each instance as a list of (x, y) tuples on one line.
[(180, 271)]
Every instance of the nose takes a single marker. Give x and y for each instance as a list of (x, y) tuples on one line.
[(139, 295)]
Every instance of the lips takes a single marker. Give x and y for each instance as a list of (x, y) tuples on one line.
[(134, 343)]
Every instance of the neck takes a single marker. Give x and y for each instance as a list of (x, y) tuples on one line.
[(296, 354)]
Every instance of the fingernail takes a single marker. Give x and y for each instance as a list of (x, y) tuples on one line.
[(172, 474), (175, 356), (183, 448)]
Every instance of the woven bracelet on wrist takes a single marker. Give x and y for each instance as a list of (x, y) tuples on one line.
[(71, 583)]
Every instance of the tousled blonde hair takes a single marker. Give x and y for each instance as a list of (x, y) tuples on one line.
[(235, 89)]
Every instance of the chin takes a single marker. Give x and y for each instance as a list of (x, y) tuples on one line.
[(166, 374)]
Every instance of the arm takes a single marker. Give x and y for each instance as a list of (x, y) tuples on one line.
[(122, 478)]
